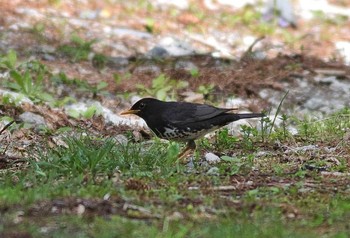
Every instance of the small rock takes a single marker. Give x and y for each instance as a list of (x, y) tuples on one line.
[(123, 32), (5, 75), (344, 49), (15, 179), (121, 139), (32, 118), (190, 166), (212, 158), (302, 149), (249, 183), (176, 47), (262, 153), (235, 103), (80, 209), (186, 65), (59, 142), (18, 217), (89, 14), (48, 57), (19, 25), (106, 196), (118, 62), (137, 136), (330, 149), (29, 12), (16, 97), (213, 171), (47, 49), (44, 229), (80, 22), (175, 216), (157, 52), (336, 174), (292, 130), (333, 160), (147, 69)]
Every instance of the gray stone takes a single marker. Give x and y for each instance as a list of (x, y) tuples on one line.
[(213, 171), (118, 62), (16, 97), (48, 57), (121, 139), (186, 65), (44, 49), (302, 149), (212, 158), (89, 14), (263, 153), (323, 95), (157, 52), (344, 49), (190, 166), (32, 118), (176, 47), (148, 69), (29, 12), (121, 32)]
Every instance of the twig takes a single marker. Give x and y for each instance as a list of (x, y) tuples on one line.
[(9, 124), (250, 48), (277, 112), (249, 52)]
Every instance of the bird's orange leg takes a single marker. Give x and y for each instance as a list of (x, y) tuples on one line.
[(190, 147)]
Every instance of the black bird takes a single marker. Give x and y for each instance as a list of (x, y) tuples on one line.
[(183, 121)]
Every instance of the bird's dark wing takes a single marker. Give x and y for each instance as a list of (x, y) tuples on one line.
[(184, 113)]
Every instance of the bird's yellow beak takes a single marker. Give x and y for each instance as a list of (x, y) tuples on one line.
[(127, 112)]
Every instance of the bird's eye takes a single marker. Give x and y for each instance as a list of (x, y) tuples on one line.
[(142, 105)]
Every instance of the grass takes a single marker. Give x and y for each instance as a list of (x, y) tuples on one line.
[(133, 228), (25, 77), (138, 190), (78, 49)]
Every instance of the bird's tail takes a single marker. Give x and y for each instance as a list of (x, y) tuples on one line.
[(249, 115)]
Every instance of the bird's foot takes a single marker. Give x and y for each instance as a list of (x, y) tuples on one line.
[(191, 146), (184, 154)]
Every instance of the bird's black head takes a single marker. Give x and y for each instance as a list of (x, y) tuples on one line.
[(143, 107)]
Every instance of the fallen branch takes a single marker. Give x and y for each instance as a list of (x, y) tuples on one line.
[(7, 126)]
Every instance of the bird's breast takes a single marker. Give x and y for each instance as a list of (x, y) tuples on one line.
[(181, 134)]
